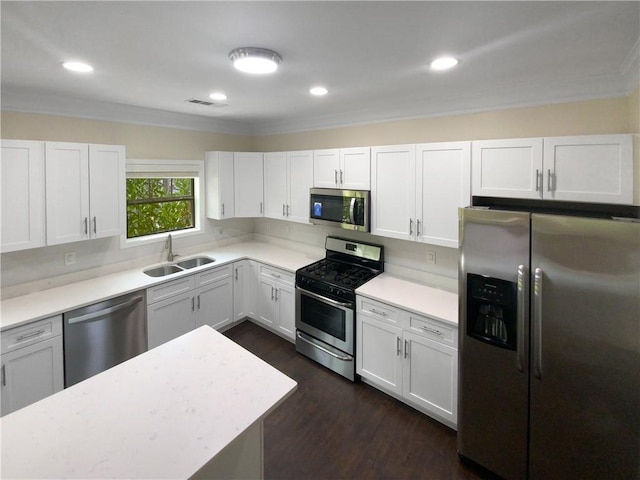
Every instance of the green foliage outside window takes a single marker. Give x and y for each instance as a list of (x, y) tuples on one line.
[(158, 205)]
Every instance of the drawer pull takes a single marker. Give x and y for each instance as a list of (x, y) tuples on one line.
[(4, 376), (431, 330), (275, 275), (30, 335), (377, 312), (398, 345)]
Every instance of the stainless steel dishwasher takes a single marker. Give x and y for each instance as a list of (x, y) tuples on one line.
[(102, 335)]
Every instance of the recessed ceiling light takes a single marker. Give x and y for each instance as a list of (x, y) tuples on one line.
[(318, 91), (218, 96), (255, 60), (78, 67), (444, 63)]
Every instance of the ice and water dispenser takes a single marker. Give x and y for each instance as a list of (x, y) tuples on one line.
[(491, 310)]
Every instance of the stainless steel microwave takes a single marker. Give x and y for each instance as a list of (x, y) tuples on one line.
[(347, 209)]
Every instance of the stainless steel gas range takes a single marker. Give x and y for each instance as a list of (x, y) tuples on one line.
[(326, 302)]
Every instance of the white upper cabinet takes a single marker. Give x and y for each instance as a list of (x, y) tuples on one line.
[(594, 168), (507, 168), (589, 168), (83, 188), (443, 176), (393, 191), (22, 195), (347, 168), (287, 179), (248, 184), (219, 185)]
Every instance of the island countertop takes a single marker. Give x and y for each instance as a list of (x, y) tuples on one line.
[(163, 414)]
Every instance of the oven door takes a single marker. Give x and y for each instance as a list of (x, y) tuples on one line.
[(328, 320)]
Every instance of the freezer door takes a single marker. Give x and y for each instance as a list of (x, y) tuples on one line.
[(585, 383), (493, 380)]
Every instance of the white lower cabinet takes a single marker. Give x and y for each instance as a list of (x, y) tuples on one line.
[(276, 300), (245, 285), (412, 357), (177, 307), (32, 363)]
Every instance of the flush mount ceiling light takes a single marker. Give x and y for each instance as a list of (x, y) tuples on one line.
[(218, 96), (318, 91), (78, 67), (444, 63), (255, 60)]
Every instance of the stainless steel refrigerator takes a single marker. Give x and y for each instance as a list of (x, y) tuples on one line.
[(549, 381)]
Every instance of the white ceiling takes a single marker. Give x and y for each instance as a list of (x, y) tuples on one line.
[(149, 57)]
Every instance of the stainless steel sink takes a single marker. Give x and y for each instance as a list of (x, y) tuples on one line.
[(163, 270), (195, 262)]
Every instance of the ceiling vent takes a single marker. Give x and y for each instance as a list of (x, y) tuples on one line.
[(205, 103)]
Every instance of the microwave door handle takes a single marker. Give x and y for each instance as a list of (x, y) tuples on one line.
[(352, 212)]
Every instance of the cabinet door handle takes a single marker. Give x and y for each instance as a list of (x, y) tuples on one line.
[(411, 226), (272, 293), (4, 376), (398, 346), (406, 348), (548, 180), (537, 179), (276, 299), (198, 302), (431, 330), (236, 274), (288, 210), (95, 225), (341, 180), (335, 177), (223, 209), (86, 226), (417, 227), (193, 304), (377, 312), (284, 208)]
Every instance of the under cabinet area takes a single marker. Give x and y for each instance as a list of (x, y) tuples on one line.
[(32, 363), (276, 300), (412, 357), (177, 307)]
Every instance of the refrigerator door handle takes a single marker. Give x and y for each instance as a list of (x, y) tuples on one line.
[(523, 288), (537, 323)]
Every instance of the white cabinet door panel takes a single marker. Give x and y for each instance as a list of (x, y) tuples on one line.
[(300, 180), (170, 318), (287, 311), (393, 191), (214, 304), (595, 168), (219, 185), (378, 354), (275, 185), (355, 168), (106, 189), (267, 306), (248, 184), (67, 187), (507, 168), (326, 166), (443, 175), (22, 186)]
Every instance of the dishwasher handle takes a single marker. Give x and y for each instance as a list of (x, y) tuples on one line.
[(101, 313)]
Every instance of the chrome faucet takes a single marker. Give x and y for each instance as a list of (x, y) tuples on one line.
[(169, 246)]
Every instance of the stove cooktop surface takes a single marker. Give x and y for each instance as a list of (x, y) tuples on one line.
[(340, 274)]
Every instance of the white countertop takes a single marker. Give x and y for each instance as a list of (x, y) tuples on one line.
[(409, 295), (54, 301), (162, 414)]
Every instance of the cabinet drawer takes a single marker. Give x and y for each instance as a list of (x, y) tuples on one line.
[(212, 275), (378, 310), (169, 289), (277, 274), (440, 332), (24, 335)]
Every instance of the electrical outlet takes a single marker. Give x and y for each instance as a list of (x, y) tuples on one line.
[(431, 257), (70, 258)]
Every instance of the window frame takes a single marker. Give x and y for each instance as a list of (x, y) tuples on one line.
[(165, 169)]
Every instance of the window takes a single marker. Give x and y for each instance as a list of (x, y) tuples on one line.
[(162, 196), (159, 205)]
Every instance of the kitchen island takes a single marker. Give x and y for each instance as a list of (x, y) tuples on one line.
[(191, 408)]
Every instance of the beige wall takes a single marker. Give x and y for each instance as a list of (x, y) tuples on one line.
[(141, 141), (577, 118)]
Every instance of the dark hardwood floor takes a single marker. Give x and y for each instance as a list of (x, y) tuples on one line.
[(331, 428)]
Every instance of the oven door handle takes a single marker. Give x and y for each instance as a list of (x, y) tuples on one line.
[(345, 358), (325, 299)]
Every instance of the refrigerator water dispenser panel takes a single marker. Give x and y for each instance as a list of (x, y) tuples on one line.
[(491, 310)]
